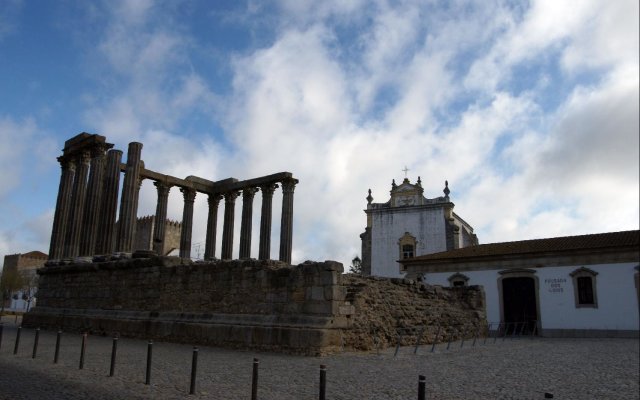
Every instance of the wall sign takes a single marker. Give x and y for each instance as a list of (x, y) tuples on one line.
[(555, 285)]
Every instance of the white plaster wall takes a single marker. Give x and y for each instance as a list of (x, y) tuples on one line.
[(616, 298), (427, 225), (615, 290)]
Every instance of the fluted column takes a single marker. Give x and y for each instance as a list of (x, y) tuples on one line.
[(245, 226), (286, 221), (93, 201), (111, 184), (161, 217), (129, 199), (264, 249), (187, 222), (63, 203), (227, 229), (76, 212), (212, 225)]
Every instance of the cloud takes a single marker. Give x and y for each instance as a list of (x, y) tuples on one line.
[(9, 17)]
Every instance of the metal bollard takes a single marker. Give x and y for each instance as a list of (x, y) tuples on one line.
[(506, 329), (35, 343), (15, 322), (464, 333), (495, 337), (15, 347), (422, 390), (323, 382), (147, 379), (57, 353), (475, 337), (415, 351), (114, 350), (449, 341), (398, 344), (254, 380), (435, 340), (194, 370), (82, 349), (1, 329), (488, 333), (515, 329)]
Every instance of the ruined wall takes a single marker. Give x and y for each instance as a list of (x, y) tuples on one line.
[(386, 308), (251, 304), (310, 308)]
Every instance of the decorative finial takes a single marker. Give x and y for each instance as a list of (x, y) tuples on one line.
[(419, 183), (369, 197), (446, 189), (393, 184)]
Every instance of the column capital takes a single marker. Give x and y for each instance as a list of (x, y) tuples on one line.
[(84, 156), (249, 192), (230, 197), (98, 150), (214, 199), (162, 187), (67, 163), (268, 189), (189, 194), (289, 185)]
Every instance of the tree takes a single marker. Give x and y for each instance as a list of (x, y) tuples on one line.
[(356, 265), (10, 281)]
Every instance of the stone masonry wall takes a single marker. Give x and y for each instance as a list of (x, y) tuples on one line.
[(308, 309), (386, 308)]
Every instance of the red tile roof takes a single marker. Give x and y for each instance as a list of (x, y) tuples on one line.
[(565, 243)]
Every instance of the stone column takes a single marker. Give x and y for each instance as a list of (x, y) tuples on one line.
[(129, 199), (93, 202), (227, 229), (264, 251), (76, 211), (111, 184), (63, 203), (161, 217), (286, 221), (247, 217), (212, 225), (187, 222)]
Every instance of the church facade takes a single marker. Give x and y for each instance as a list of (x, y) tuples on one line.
[(410, 225), (573, 286)]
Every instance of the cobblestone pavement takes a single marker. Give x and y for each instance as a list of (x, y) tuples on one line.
[(519, 368)]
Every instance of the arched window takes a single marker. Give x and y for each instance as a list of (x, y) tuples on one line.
[(407, 247), (584, 288), (458, 279)]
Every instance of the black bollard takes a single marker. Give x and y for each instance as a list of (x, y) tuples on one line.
[(422, 390), (515, 328), (15, 347), (16, 320), (35, 343), (1, 328), (435, 340), (506, 330), (82, 350), (57, 353), (488, 333), (194, 370), (449, 341), (415, 351), (114, 350), (464, 333), (475, 337), (254, 380), (323, 382), (398, 345), (147, 379)]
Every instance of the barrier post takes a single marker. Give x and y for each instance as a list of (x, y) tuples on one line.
[(422, 392), (147, 379), (35, 343), (323, 382), (435, 340), (15, 347), (194, 370), (254, 380), (82, 350), (114, 350), (57, 353)]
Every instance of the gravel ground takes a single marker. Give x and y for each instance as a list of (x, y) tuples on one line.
[(519, 368)]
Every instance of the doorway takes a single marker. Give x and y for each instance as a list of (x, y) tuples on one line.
[(519, 304)]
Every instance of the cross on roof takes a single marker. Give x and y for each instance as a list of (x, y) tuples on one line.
[(405, 171)]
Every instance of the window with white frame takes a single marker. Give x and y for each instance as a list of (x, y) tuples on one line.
[(584, 288)]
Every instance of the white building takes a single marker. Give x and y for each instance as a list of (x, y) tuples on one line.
[(410, 225), (566, 286)]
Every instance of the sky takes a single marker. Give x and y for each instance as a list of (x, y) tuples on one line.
[(529, 109)]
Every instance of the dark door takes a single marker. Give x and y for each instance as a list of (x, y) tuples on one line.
[(519, 304)]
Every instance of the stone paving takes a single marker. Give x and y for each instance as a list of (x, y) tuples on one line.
[(513, 368)]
